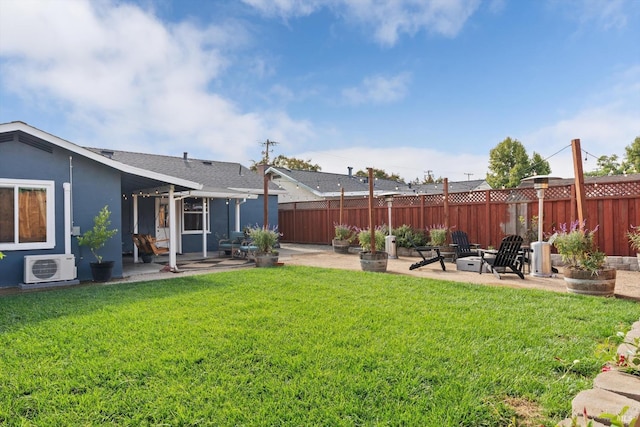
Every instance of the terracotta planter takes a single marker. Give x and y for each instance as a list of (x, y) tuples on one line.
[(585, 283), (376, 262), (101, 272), (340, 246), (266, 260)]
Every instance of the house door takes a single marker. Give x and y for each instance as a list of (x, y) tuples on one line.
[(162, 222)]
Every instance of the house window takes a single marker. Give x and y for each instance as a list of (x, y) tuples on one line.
[(27, 214), (192, 215)]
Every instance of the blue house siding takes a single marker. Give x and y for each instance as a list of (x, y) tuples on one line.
[(94, 186), (222, 220), (102, 177)]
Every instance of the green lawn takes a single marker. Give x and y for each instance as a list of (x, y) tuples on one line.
[(298, 346)]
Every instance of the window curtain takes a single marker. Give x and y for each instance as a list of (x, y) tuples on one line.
[(32, 205), (7, 222)]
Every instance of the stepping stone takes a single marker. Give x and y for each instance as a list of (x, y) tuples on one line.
[(599, 401), (620, 383)]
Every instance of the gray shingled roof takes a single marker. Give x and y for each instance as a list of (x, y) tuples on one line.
[(213, 175), (324, 183)]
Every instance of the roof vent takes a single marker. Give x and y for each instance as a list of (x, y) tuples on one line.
[(107, 153), (350, 171), (184, 155), (206, 162)]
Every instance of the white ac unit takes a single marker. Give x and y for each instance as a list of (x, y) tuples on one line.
[(49, 268)]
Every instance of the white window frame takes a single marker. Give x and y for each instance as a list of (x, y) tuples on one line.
[(207, 220), (49, 187)]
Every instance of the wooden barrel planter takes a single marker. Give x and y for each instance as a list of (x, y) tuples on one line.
[(266, 260), (585, 283), (376, 262), (340, 246)]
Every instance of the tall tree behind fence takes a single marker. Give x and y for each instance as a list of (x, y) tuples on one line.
[(486, 216)]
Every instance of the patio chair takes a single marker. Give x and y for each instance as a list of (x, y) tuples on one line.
[(426, 261), (460, 241), (148, 242), (507, 259)]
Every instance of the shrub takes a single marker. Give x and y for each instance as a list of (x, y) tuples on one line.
[(264, 238), (344, 232), (364, 239), (437, 235), (577, 248), (405, 234)]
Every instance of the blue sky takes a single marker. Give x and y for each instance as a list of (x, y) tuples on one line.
[(404, 86)]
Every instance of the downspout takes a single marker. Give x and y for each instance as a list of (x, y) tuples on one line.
[(67, 218), (71, 189), (204, 227)]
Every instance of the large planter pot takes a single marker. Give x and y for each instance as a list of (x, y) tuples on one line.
[(266, 260), (340, 246), (376, 262), (101, 271), (402, 251), (583, 282), (147, 258)]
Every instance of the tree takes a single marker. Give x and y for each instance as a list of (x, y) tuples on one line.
[(509, 163), (631, 164), (607, 165), (289, 163), (297, 164), (380, 174), (539, 166)]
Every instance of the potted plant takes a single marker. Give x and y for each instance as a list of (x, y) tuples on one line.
[(264, 239), (437, 235), (585, 270), (406, 238), (95, 239), (344, 235), (372, 260), (634, 240)]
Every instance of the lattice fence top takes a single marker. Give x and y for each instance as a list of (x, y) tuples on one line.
[(513, 195), (620, 189)]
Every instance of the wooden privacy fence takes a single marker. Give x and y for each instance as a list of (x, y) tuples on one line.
[(486, 216)]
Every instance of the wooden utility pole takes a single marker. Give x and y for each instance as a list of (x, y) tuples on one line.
[(265, 179), (371, 229), (267, 144), (341, 203), (267, 149), (445, 194), (579, 180)]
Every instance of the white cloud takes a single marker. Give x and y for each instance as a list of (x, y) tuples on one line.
[(134, 80), (606, 14), (604, 128), (388, 18), (408, 162), (378, 90)]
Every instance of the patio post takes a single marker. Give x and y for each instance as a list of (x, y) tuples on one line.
[(172, 229), (204, 227), (135, 227)]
